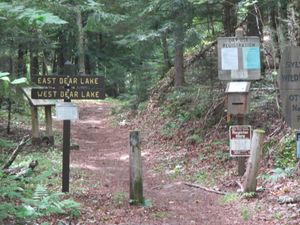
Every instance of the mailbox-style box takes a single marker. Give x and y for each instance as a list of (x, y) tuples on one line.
[(238, 97)]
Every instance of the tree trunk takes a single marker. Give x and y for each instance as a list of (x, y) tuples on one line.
[(34, 64), (80, 43), (229, 17), (60, 53), (167, 60), (293, 22), (54, 63), (179, 49), (21, 62), (254, 25), (281, 25)]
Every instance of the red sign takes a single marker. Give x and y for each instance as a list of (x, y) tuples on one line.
[(240, 140)]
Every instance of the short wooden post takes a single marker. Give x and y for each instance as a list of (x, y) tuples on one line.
[(48, 118), (36, 140), (250, 182), (136, 174)]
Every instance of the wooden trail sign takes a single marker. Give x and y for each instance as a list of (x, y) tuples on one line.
[(239, 58), (68, 87), (289, 85), (47, 93), (91, 82)]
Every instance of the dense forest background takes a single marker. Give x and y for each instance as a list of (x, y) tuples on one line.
[(135, 43), (159, 59)]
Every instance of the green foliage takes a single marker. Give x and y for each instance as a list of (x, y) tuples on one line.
[(194, 139), (276, 174), (223, 156), (6, 209), (285, 156), (27, 198), (249, 195), (42, 204), (148, 203), (31, 15), (245, 213), (229, 198), (119, 198), (206, 178), (187, 103), (168, 129), (6, 143)]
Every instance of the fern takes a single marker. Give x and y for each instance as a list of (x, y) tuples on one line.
[(44, 203), (6, 209)]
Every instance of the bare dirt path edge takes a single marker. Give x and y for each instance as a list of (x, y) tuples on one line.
[(103, 193)]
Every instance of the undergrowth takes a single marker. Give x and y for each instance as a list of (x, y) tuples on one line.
[(26, 198)]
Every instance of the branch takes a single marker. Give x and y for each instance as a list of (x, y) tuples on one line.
[(206, 189), (16, 152)]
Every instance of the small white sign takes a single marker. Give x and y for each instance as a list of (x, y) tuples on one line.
[(66, 111), (238, 87), (230, 59), (240, 140)]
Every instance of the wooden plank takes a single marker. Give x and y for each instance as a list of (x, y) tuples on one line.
[(90, 82), (36, 140), (48, 119), (289, 71), (136, 173), (36, 102), (67, 94)]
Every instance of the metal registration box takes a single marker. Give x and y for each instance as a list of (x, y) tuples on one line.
[(238, 97)]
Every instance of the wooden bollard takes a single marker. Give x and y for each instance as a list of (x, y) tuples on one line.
[(250, 181), (136, 173)]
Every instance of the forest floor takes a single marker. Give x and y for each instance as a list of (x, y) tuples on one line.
[(103, 194)]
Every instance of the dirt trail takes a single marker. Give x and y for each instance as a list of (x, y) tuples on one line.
[(103, 156)]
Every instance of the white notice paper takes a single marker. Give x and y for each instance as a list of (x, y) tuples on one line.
[(229, 59)]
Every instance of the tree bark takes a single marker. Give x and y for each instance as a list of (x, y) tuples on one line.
[(179, 50), (21, 62), (61, 53), (167, 60), (229, 17), (80, 43), (254, 25), (282, 31), (34, 64), (293, 8)]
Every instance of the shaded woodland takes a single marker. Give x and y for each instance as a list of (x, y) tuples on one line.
[(160, 65)]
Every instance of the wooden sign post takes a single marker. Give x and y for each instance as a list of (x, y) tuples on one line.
[(239, 60), (136, 173), (68, 86)]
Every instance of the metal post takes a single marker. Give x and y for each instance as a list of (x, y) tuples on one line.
[(69, 69), (66, 155)]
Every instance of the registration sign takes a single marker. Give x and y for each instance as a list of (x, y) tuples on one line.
[(239, 58), (240, 140)]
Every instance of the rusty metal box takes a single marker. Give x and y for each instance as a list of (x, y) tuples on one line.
[(238, 97)]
